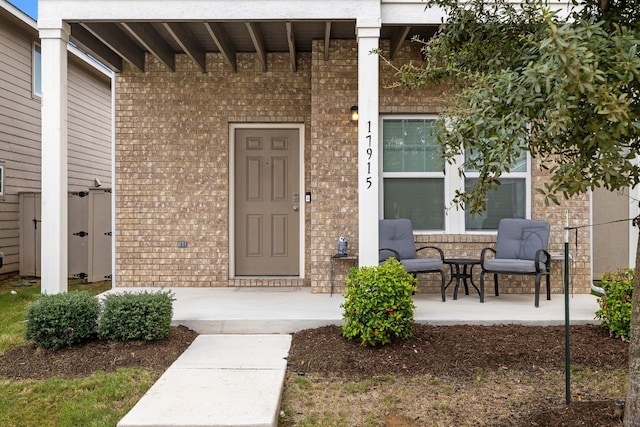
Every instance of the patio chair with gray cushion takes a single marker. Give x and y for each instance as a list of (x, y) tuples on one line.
[(396, 240), (521, 248)]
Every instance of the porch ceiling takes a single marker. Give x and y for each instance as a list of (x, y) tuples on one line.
[(113, 43)]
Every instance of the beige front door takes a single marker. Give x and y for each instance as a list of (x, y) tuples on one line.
[(267, 202)]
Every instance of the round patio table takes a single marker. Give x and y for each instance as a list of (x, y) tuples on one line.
[(462, 269)]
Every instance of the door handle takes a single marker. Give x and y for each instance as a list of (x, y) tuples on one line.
[(296, 208)]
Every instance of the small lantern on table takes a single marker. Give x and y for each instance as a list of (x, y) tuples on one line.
[(342, 247)]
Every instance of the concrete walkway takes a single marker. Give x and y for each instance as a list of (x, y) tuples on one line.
[(220, 380), (232, 374)]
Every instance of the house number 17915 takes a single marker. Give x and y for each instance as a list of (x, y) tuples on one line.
[(369, 153)]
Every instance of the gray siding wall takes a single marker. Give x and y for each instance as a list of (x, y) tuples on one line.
[(19, 136), (89, 133)]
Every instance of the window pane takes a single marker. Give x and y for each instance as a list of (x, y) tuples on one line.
[(37, 70), (520, 165), (508, 201), (409, 145), (420, 200)]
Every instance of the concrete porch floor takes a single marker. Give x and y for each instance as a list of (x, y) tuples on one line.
[(290, 309)]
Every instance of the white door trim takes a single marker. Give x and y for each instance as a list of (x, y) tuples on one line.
[(232, 203)]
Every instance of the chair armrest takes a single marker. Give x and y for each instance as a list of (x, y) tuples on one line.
[(540, 253), (396, 255), (440, 252), (483, 255)]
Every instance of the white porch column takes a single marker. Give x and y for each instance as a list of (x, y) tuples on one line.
[(54, 254), (368, 34)]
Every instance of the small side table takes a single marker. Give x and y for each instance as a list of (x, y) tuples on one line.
[(334, 260), (467, 265)]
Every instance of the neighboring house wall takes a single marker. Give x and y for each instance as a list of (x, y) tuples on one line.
[(89, 136), (172, 164), (614, 236), (19, 133), (90, 127)]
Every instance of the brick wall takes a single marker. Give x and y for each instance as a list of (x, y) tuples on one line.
[(172, 162), (334, 161), (172, 167)]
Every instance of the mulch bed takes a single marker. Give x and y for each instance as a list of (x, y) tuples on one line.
[(30, 362), (457, 350)]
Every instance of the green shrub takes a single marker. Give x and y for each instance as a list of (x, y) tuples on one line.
[(615, 305), (136, 316), (62, 320), (378, 305)]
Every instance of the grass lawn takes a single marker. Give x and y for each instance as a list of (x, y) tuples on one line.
[(101, 399)]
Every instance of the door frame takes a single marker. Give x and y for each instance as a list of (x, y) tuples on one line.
[(232, 202)]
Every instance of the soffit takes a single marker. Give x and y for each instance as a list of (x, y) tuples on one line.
[(113, 43)]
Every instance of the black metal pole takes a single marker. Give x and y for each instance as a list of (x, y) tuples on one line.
[(567, 352)]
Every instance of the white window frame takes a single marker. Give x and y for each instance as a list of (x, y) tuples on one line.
[(454, 220), (505, 175), (36, 70), (2, 182), (424, 175)]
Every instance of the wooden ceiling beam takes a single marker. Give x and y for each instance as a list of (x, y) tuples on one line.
[(188, 43), (291, 41), (258, 43), (151, 40), (221, 40), (96, 48), (397, 39), (115, 38), (327, 39)]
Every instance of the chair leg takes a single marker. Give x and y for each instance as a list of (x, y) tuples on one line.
[(548, 286), (537, 291), (495, 283), (442, 286), (482, 286)]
